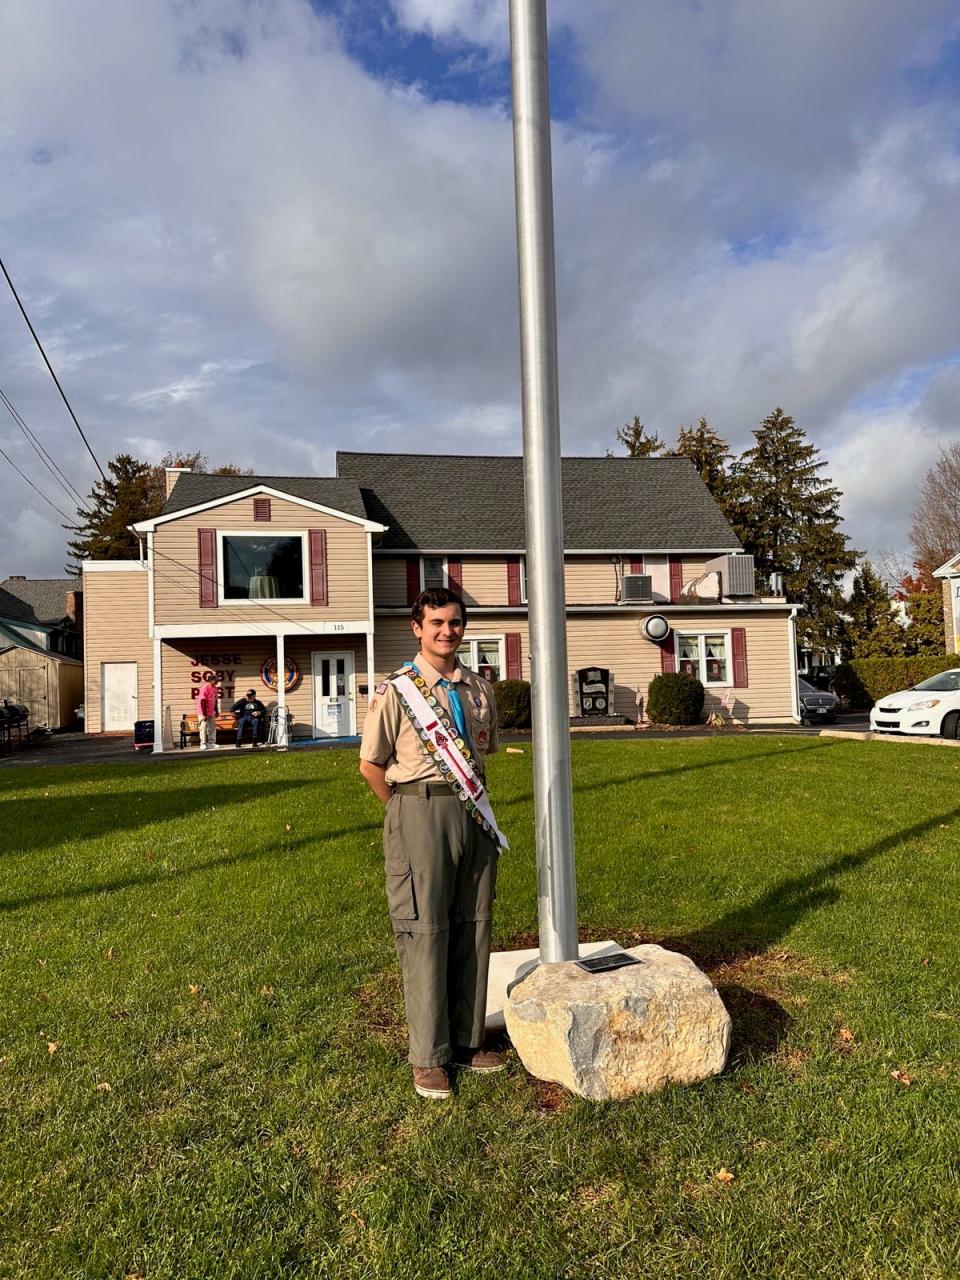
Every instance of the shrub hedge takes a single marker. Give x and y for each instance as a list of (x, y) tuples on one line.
[(513, 703), (675, 698), (863, 681)]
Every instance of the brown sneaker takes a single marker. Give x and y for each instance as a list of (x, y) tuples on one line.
[(432, 1082), (483, 1060)]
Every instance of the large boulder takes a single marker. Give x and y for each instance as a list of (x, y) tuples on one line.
[(626, 1031)]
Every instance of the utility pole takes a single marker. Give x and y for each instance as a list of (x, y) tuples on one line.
[(553, 800)]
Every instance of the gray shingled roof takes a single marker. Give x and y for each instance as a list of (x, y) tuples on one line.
[(453, 503), (37, 600), (192, 489)]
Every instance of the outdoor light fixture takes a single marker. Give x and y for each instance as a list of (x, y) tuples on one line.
[(655, 628)]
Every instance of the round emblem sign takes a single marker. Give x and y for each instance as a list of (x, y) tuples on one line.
[(268, 673)]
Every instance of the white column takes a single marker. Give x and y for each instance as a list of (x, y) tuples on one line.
[(282, 736), (157, 696), (371, 674)]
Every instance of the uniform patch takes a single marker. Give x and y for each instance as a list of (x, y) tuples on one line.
[(373, 703), (482, 737), (381, 687), (478, 702)]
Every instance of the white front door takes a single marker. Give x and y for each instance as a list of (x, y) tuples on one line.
[(119, 686), (333, 702)]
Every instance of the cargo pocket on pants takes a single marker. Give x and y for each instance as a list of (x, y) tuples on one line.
[(401, 899)]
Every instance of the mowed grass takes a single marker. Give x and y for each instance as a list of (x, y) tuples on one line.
[(201, 1060)]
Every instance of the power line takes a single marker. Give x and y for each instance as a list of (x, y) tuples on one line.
[(62, 480), (56, 380), (33, 486)]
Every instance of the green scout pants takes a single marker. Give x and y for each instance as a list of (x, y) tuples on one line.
[(441, 875)]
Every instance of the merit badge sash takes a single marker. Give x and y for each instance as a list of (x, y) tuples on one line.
[(440, 741)]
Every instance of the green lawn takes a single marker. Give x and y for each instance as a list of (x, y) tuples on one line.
[(201, 1062)]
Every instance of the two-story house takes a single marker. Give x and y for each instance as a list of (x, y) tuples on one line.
[(949, 575), (250, 575)]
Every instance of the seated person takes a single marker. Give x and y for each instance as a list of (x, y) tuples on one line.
[(249, 710)]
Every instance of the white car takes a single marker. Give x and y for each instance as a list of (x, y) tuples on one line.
[(931, 707)]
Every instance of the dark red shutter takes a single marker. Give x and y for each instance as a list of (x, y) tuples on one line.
[(676, 579), (318, 566), (514, 667), (668, 656), (636, 566), (455, 574), (513, 581), (261, 508), (207, 562), (413, 578), (741, 677)]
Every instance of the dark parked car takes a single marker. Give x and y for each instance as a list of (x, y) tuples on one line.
[(816, 705)]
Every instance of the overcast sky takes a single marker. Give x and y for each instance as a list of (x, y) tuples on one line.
[(268, 229)]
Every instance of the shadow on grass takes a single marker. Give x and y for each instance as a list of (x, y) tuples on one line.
[(42, 821), (146, 879), (645, 775)]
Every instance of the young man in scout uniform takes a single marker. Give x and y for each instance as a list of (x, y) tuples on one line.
[(427, 733)]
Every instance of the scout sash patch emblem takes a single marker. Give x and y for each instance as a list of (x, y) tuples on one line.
[(440, 742)]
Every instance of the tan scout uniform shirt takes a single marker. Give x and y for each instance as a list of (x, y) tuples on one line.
[(389, 738)]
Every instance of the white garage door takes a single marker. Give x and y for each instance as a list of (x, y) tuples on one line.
[(119, 695)]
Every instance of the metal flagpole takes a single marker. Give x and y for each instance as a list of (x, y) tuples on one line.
[(541, 468)]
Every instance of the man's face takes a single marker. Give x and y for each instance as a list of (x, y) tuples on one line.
[(441, 633)]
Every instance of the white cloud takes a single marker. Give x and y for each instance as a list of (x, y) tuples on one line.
[(234, 238)]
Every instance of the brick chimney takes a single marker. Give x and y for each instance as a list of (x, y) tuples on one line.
[(173, 474), (74, 608)]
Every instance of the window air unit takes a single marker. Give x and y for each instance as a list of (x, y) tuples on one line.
[(736, 574), (637, 588)]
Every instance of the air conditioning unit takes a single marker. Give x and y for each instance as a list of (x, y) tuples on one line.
[(736, 574), (637, 589)]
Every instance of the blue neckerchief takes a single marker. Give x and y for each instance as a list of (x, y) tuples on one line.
[(456, 706)]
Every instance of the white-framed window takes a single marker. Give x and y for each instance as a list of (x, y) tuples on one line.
[(706, 655), (485, 655), (262, 566), (523, 579), (433, 572)]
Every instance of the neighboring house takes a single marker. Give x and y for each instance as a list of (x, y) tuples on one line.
[(46, 611), (247, 575), (949, 574), (41, 634)]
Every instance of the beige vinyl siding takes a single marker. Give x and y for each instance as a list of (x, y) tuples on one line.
[(693, 567), (238, 662), (115, 629), (390, 582), (176, 591), (591, 579), (613, 640), (485, 580)]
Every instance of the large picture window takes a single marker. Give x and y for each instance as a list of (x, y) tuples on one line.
[(485, 656), (705, 656), (258, 566)]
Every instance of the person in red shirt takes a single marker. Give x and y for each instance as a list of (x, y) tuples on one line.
[(207, 714)]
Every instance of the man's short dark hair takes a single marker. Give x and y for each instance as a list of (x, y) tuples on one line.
[(437, 598), (251, 693)]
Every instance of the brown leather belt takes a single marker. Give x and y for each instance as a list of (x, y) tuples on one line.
[(425, 789)]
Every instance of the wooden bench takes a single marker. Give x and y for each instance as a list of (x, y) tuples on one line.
[(190, 728)]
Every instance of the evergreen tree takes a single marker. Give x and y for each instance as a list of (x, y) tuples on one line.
[(638, 442), (134, 491), (925, 613), (872, 630), (121, 500), (709, 453), (788, 518)]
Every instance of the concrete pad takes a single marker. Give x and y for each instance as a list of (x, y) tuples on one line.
[(508, 966)]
